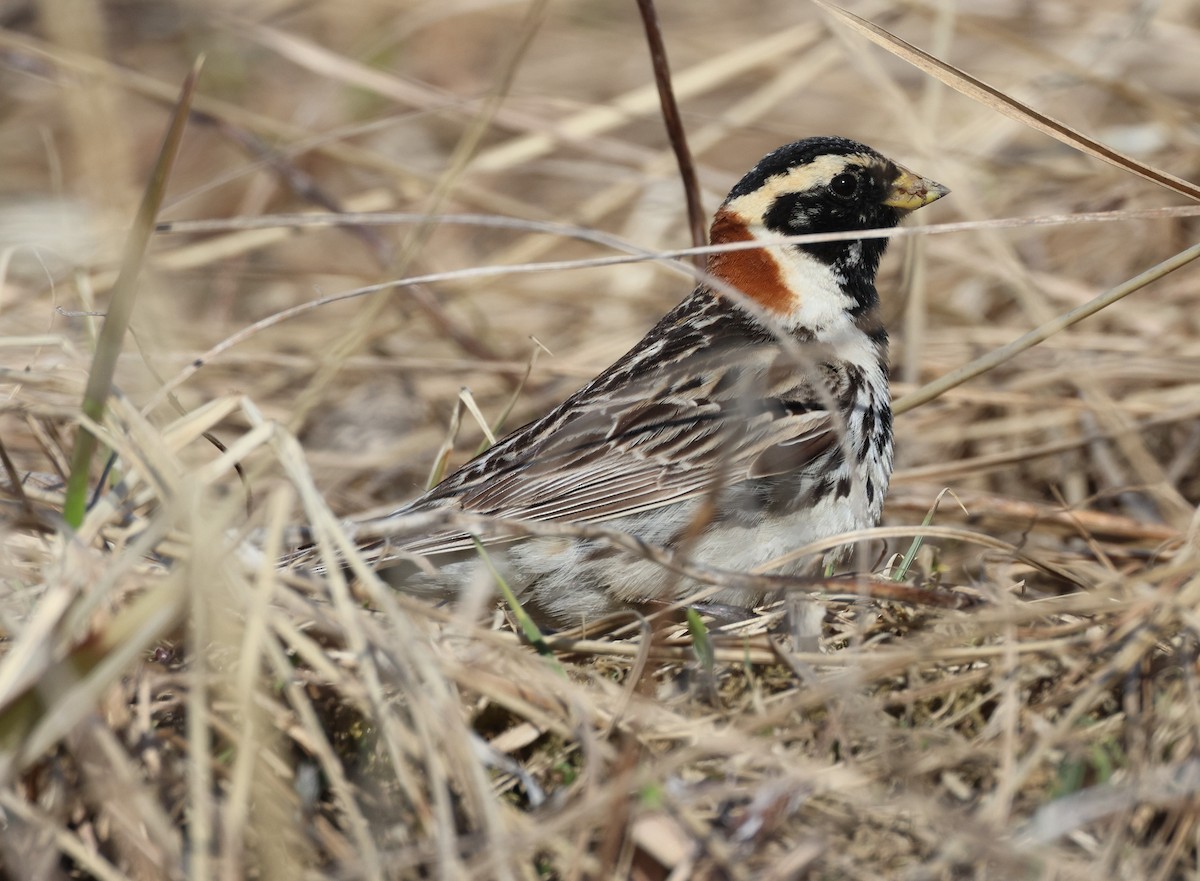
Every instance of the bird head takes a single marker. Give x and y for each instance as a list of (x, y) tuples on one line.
[(817, 185)]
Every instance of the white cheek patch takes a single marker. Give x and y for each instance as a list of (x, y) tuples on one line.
[(823, 304)]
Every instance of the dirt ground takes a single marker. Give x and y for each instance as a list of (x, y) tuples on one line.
[(172, 705)]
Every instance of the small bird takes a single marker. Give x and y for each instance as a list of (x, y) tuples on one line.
[(754, 418)]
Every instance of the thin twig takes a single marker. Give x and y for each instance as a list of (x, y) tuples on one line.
[(995, 358), (674, 124)]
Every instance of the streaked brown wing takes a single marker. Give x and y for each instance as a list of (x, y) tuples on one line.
[(706, 398), (652, 455)]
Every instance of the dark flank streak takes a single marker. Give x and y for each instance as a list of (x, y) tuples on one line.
[(883, 437), (867, 433)]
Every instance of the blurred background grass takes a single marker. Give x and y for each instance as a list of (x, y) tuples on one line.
[(362, 106)]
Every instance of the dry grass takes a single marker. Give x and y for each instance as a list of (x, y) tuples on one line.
[(172, 706)]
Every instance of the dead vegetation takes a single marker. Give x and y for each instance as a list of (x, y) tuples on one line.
[(173, 706)]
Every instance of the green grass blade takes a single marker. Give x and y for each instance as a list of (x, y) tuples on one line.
[(120, 308), (529, 628)]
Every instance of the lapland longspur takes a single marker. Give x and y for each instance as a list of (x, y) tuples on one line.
[(774, 405)]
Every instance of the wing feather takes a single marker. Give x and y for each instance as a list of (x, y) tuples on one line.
[(638, 477), (724, 408)]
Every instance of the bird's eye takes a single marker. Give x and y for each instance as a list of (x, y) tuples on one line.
[(844, 185)]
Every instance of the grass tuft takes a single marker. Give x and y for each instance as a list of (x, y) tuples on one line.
[(1022, 702)]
